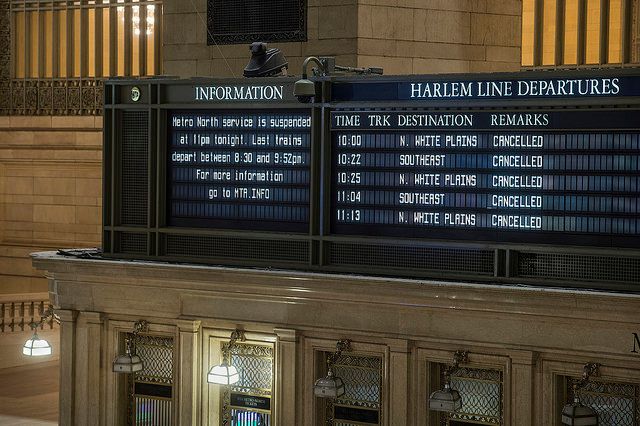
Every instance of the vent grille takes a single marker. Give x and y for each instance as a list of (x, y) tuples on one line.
[(578, 267), (106, 242), (245, 21), (133, 243), (134, 183), (414, 258), (229, 248)]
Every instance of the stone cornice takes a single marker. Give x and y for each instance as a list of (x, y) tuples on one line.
[(295, 287)]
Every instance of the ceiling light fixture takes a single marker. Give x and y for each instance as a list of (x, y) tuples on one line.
[(226, 374), (129, 362), (577, 414), (332, 386), (448, 399), (36, 346)]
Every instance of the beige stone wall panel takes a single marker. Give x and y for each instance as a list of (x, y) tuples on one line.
[(448, 27), (50, 191), (532, 335), (430, 66), (337, 22), (495, 30)]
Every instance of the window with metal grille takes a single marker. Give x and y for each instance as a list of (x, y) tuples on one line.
[(481, 393), (617, 404), (90, 38), (248, 402), (54, 54), (242, 21), (150, 391), (580, 32), (361, 402)]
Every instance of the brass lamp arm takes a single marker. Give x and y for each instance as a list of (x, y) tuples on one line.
[(306, 63), (342, 346), (45, 315)]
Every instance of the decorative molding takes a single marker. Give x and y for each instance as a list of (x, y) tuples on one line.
[(188, 326), (42, 96), (50, 96)]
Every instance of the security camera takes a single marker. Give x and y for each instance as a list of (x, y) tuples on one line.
[(304, 90)]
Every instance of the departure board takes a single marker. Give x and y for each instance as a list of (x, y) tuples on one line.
[(239, 170), (546, 176)]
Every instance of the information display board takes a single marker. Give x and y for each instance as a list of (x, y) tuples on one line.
[(552, 177), (505, 177), (239, 170)]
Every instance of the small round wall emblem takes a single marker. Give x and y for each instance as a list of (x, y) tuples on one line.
[(135, 94)]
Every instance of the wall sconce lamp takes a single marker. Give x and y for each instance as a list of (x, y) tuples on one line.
[(226, 374), (332, 386), (576, 414), (129, 362), (305, 89), (37, 346), (448, 399)]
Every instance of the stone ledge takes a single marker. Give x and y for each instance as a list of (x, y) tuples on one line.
[(281, 285)]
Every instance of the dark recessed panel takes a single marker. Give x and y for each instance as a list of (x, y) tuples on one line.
[(152, 389), (578, 267), (206, 248), (134, 167), (412, 258), (246, 21), (353, 414), (131, 243)]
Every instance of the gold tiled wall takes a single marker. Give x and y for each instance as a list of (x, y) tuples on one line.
[(402, 36), (50, 192)]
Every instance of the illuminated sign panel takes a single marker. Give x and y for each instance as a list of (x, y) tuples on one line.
[(546, 176), (517, 178), (244, 170), (504, 89)]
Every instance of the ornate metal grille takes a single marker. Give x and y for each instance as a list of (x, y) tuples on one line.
[(362, 378), (481, 392), (61, 51), (617, 404), (151, 390), (255, 367), (157, 353)]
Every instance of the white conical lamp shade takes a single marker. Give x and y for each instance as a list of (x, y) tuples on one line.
[(577, 414), (36, 346), (329, 386), (127, 363), (447, 400), (223, 374)]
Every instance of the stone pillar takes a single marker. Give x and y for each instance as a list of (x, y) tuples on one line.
[(522, 389), (67, 366), (88, 348), (399, 383), (285, 381), (189, 373)]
